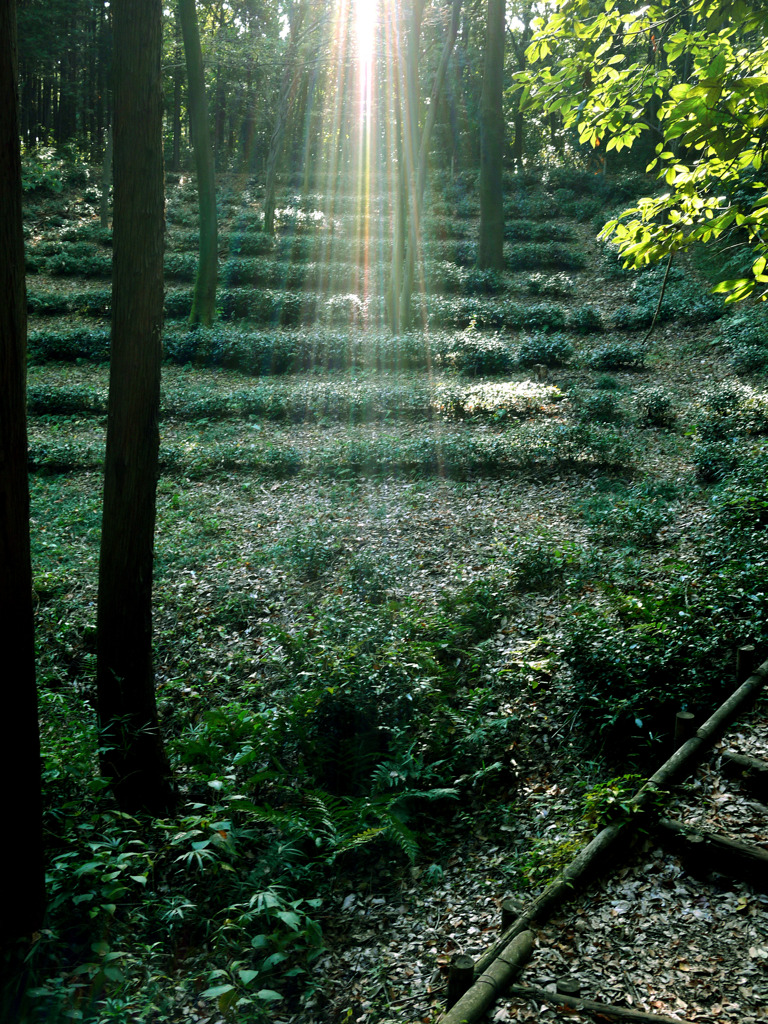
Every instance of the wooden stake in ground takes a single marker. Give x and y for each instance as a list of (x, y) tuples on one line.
[(483, 994)]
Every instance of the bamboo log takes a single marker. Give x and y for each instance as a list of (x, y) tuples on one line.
[(706, 851), (751, 772), (591, 858), (602, 1011), (483, 994)]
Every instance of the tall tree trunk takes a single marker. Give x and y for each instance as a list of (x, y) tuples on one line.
[(412, 182), (177, 81), (520, 38), (132, 751), (106, 180), (287, 85), (22, 896), (204, 300), (491, 242)]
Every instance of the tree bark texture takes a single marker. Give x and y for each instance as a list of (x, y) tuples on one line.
[(490, 253), (204, 299), (21, 854), (132, 751)]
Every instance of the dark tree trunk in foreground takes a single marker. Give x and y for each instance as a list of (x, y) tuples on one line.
[(132, 751), (204, 300), (490, 253), (21, 858)]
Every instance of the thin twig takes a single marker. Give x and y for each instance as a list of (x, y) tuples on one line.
[(658, 305)]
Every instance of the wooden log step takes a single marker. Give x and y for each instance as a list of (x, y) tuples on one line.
[(751, 772), (601, 1011), (706, 852)]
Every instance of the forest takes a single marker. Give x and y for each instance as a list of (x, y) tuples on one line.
[(383, 419)]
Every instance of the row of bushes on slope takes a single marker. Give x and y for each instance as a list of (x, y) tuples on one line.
[(448, 267), (364, 398), (312, 399), (536, 447)]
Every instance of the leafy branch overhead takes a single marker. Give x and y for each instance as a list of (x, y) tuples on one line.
[(693, 79)]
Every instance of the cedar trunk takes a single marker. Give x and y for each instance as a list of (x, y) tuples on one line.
[(204, 299), (21, 857), (132, 751), (490, 248)]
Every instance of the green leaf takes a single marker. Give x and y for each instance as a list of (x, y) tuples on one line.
[(216, 990), (268, 995), (274, 960), (717, 67), (247, 976), (288, 917)]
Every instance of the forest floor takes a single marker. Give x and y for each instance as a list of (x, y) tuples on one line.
[(648, 935), (284, 555)]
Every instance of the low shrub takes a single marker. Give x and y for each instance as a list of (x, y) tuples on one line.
[(530, 255), (87, 302), (483, 282), (715, 461), (480, 355), (555, 285), (533, 231), (69, 344), (633, 318), (749, 359), (617, 357), (552, 350), (521, 206), (656, 409), (585, 320), (599, 407), (578, 208), (630, 516)]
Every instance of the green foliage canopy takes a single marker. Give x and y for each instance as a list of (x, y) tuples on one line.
[(696, 76)]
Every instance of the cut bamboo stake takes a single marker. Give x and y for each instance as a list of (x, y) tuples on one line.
[(685, 727), (510, 911), (600, 1010), (745, 661), (461, 974), (590, 859), (492, 982)]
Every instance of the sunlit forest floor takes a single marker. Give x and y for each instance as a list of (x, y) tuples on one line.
[(415, 597)]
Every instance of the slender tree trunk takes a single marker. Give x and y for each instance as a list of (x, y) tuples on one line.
[(177, 81), (132, 752), (22, 896), (204, 300), (412, 174), (287, 86), (491, 242), (106, 179)]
